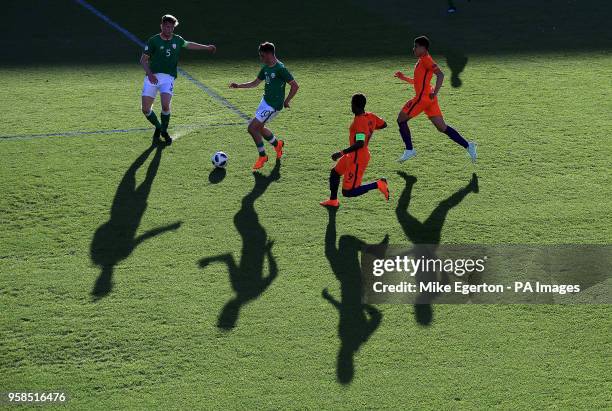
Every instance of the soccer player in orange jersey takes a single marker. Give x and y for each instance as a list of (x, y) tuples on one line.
[(352, 161), (426, 100)]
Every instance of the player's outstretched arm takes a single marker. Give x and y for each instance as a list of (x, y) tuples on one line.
[(325, 294), (197, 46), (374, 321), (439, 81), (157, 231), (250, 84), (403, 77), (273, 267), (226, 258), (292, 92)]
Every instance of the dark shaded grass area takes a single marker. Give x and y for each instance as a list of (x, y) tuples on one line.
[(62, 32)]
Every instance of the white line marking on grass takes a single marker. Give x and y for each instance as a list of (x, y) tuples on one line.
[(214, 95), (218, 98), (183, 131), (179, 130)]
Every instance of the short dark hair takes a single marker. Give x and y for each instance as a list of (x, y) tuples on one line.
[(266, 47), (422, 41), (169, 18), (359, 101)]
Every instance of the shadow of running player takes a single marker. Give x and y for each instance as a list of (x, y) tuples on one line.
[(246, 276), (456, 61), (116, 239), (357, 321), (428, 233)]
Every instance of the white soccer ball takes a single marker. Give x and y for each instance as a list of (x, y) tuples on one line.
[(219, 159)]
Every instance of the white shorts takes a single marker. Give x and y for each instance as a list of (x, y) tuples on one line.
[(265, 112), (165, 84)]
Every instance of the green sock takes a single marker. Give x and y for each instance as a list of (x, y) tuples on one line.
[(165, 120), (153, 119), (261, 149), (271, 139)]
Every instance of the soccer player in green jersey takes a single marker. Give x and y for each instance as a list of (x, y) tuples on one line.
[(276, 76), (159, 60)]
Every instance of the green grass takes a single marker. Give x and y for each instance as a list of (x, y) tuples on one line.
[(153, 340)]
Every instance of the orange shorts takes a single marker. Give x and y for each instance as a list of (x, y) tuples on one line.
[(416, 106), (351, 167)]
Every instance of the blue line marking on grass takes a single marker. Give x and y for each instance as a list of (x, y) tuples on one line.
[(215, 96), (112, 131)]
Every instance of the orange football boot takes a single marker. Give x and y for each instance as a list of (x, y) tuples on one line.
[(279, 148), (260, 162), (330, 203), (383, 187)]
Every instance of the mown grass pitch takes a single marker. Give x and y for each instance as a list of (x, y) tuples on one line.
[(123, 267)]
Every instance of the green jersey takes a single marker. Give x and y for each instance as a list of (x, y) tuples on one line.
[(164, 54), (276, 77)]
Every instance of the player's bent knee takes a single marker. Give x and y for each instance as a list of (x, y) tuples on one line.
[(347, 193)]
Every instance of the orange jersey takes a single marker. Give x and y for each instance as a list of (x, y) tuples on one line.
[(423, 70), (352, 165), (364, 123)]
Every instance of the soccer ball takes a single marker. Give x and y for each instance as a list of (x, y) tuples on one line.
[(219, 159)]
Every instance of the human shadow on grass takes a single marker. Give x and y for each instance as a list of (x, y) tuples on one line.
[(246, 275), (426, 235), (116, 239), (357, 321), (456, 62)]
